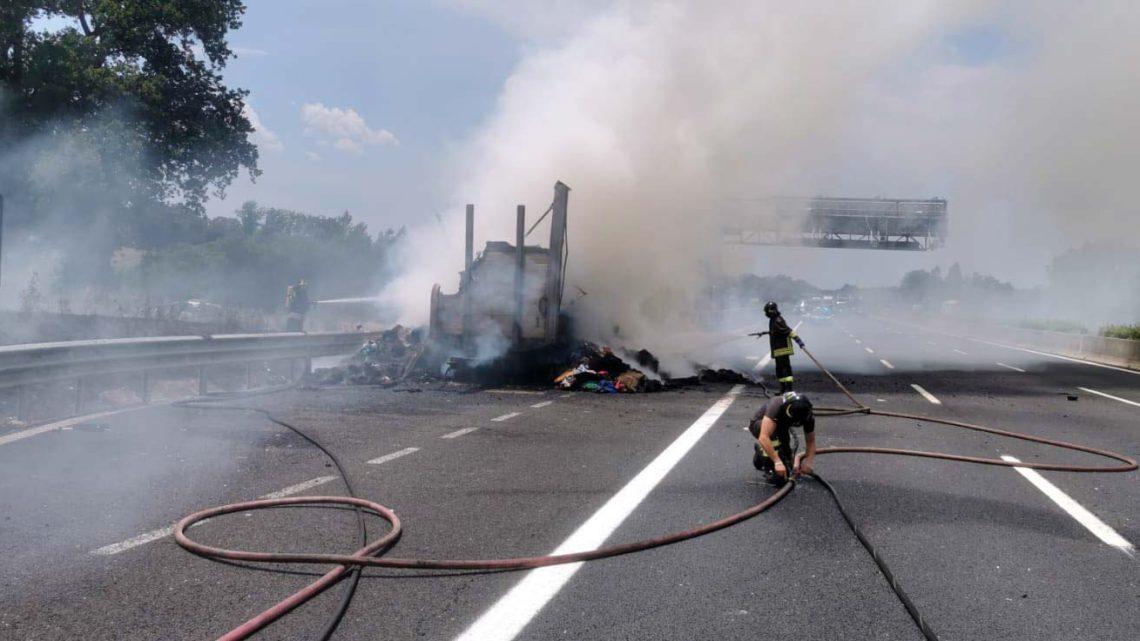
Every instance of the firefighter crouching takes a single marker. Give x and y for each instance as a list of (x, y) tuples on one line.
[(780, 337)]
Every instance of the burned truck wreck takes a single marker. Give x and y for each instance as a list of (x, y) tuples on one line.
[(507, 314)]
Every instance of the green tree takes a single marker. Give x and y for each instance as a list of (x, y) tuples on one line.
[(137, 86)]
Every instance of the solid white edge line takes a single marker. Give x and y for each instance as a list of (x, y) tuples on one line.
[(504, 417), (1092, 523), (161, 533), (1057, 356), (1115, 398), (542, 404), (50, 427), (925, 394), (394, 455), (458, 433), (505, 619), (886, 363), (1016, 369)]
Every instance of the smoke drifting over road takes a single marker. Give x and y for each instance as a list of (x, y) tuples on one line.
[(1022, 116)]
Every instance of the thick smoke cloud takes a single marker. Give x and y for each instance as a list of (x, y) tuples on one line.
[(655, 112)]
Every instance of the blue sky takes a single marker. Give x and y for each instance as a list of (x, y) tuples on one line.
[(426, 73)]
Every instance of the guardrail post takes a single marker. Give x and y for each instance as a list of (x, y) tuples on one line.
[(201, 380), (144, 385), (306, 366)]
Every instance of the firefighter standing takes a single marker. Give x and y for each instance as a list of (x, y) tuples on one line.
[(297, 304), (780, 337)]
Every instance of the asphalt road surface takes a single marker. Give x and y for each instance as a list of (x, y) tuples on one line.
[(985, 553)]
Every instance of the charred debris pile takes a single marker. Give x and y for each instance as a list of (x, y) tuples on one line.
[(506, 324)]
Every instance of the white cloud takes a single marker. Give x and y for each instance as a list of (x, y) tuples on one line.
[(342, 129), (264, 138)]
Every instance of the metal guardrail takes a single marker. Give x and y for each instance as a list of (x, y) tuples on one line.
[(38, 363)]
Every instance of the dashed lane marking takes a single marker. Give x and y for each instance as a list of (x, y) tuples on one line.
[(300, 487), (161, 533), (886, 363), (1115, 398), (458, 433), (510, 614), (393, 456), (858, 341), (961, 352), (1092, 523), (567, 395), (505, 417), (542, 404), (925, 394), (869, 350), (1016, 369)]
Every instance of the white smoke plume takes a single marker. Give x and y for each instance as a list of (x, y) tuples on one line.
[(653, 112)]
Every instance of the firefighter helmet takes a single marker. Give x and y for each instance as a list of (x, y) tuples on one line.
[(770, 308), (797, 407)]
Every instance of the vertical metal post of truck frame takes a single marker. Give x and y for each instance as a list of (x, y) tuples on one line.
[(468, 258), (520, 270)]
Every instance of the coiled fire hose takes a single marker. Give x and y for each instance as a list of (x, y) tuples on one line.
[(369, 555)]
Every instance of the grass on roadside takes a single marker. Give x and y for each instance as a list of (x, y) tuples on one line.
[(1130, 332)]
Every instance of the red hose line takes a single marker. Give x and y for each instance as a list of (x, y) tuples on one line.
[(368, 555)]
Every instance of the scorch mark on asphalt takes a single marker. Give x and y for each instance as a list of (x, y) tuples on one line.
[(1092, 523), (511, 613)]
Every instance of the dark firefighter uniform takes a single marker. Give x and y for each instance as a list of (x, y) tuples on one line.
[(787, 410), (780, 338)]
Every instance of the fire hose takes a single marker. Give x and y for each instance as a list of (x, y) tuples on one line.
[(370, 554)]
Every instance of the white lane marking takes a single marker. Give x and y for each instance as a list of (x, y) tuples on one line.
[(161, 533), (886, 363), (1099, 528), (961, 352), (300, 487), (869, 350), (504, 417), (542, 404), (1058, 356), (393, 456), (858, 341), (458, 433), (134, 542), (71, 422), (514, 391), (511, 613), (925, 394), (1115, 398), (567, 395), (1016, 369)]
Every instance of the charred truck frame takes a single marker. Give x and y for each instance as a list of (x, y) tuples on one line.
[(510, 296)]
